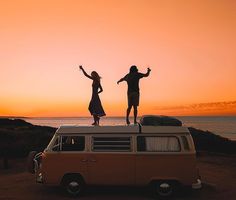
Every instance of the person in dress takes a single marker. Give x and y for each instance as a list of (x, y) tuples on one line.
[(132, 79), (95, 105)]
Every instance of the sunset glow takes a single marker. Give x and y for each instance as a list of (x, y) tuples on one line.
[(189, 45)]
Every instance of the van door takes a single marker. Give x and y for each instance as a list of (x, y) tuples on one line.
[(111, 161), (157, 157), (67, 157)]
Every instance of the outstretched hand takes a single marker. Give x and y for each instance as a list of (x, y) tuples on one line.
[(149, 69), (81, 67)]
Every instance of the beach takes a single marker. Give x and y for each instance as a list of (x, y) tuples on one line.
[(224, 126)]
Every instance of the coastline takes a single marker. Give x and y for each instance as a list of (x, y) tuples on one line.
[(18, 138), (219, 125)]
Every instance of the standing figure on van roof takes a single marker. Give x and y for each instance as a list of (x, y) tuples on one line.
[(95, 105), (132, 79)]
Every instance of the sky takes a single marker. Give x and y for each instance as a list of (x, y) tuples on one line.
[(189, 45)]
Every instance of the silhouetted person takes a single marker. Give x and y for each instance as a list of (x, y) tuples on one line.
[(95, 106), (132, 79)]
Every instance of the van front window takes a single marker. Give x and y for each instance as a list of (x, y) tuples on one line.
[(73, 143), (56, 144)]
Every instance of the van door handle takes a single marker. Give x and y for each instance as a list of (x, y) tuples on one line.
[(93, 160), (84, 160)]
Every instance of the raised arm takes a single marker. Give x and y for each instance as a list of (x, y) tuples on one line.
[(147, 74), (84, 72), (122, 79)]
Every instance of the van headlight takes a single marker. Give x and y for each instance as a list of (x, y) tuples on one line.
[(39, 178), (197, 184)]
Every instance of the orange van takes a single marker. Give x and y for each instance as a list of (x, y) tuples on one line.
[(162, 157)]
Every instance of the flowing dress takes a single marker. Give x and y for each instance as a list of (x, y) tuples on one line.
[(95, 105)]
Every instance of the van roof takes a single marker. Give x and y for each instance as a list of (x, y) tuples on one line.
[(164, 129), (97, 129), (73, 129)]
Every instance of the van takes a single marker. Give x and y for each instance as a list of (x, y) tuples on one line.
[(162, 157)]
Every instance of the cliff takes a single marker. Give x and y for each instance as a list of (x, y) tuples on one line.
[(18, 138)]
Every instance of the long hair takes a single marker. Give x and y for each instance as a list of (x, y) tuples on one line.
[(95, 76)]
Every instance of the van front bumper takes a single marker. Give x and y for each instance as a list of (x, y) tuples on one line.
[(197, 185)]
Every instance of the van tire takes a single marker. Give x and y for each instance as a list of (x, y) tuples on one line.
[(164, 188), (73, 184), (30, 162)]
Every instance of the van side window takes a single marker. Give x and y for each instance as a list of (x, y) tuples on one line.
[(118, 144), (158, 144), (185, 143), (73, 143)]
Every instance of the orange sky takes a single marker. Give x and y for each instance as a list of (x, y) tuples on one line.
[(189, 45)]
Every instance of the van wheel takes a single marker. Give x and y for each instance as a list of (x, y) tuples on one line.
[(164, 188), (74, 185), (30, 162)]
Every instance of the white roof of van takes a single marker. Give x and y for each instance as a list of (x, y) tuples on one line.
[(164, 129), (72, 129), (98, 129)]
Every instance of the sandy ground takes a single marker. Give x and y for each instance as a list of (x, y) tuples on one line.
[(218, 176)]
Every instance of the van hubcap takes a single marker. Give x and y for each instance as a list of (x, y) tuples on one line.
[(73, 187), (164, 189)]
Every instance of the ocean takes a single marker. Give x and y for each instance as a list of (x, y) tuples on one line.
[(221, 125)]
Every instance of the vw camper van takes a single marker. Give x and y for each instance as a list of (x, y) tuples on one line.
[(162, 157)]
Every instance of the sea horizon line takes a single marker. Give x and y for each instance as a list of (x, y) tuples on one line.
[(113, 116)]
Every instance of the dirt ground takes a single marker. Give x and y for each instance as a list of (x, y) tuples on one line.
[(218, 176)]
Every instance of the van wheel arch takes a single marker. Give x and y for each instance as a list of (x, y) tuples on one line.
[(73, 183), (164, 188)]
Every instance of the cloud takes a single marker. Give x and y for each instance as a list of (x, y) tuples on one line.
[(211, 107)]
